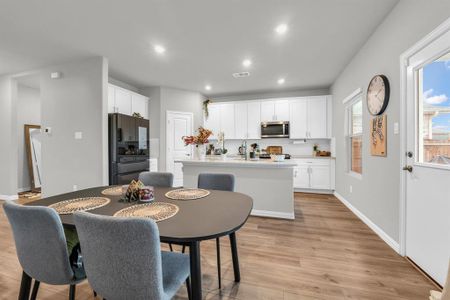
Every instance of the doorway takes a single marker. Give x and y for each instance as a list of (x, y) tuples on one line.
[(425, 206), (178, 124)]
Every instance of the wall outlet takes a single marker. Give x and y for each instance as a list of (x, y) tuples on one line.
[(78, 135), (396, 128), (351, 189), (75, 187)]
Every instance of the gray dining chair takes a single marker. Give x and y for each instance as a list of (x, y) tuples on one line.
[(41, 248), (222, 182), (157, 179), (123, 258)]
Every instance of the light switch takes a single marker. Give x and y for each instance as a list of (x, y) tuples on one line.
[(396, 128), (78, 135)]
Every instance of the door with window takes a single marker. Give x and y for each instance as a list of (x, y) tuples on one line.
[(178, 124), (427, 157), (354, 133)]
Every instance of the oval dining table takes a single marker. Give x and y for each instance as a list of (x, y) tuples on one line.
[(219, 214)]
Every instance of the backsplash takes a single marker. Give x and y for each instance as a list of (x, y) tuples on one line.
[(288, 145)]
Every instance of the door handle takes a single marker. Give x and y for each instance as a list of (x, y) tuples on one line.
[(408, 168)]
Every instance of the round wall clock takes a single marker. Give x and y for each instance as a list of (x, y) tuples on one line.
[(378, 95)]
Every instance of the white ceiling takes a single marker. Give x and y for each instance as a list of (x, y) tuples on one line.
[(206, 40)]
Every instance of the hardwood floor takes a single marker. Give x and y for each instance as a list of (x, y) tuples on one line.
[(326, 253)]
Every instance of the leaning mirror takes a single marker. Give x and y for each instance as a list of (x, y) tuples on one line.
[(33, 145)]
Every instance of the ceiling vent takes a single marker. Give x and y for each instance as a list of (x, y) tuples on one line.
[(241, 74)]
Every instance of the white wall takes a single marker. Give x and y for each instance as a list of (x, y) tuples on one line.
[(28, 113), (163, 99), (376, 195), (76, 102), (8, 137)]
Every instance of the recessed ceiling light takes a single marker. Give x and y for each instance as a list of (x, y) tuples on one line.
[(207, 87), (247, 63), (159, 49), (281, 81), (281, 29)]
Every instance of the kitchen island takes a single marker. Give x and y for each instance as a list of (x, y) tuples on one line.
[(269, 183)]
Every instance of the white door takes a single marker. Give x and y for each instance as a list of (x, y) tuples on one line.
[(267, 111), (317, 117), (282, 110), (298, 119), (178, 124), (254, 120), (227, 120), (427, 157), (240, 120)]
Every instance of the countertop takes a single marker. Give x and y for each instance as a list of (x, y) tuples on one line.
[(238, 162)]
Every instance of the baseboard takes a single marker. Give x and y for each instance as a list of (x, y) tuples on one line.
[(9, 197), (314, 191), (383, 235), (272, 214), (24, 189)]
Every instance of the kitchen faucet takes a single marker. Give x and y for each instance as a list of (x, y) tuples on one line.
[(244, 147)]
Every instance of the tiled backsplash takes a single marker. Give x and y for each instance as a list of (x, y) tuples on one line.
[(299, 148)]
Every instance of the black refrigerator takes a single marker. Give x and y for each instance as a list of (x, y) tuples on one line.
[(128, 148)]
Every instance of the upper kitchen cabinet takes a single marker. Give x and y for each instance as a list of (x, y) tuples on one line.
[(309, 118), (254, 120), (212, 122), (126, 102), (275, 110), (227, 120), (240, 120), (139, 104)]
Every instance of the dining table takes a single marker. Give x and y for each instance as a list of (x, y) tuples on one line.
[(219, 214)]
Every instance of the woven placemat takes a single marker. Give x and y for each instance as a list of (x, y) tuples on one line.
[(187, 194), (157, 211), (113, 191), (68, 207)]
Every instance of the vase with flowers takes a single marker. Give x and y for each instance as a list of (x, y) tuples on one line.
[(199, 141)]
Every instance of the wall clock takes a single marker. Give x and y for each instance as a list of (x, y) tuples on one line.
[(378, 95)]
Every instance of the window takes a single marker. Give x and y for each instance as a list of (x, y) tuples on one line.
[(354, 134), (434, 112)]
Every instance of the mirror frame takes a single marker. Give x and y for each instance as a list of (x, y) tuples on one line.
[(27, 128)]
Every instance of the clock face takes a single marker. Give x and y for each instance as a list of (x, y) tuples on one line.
[(378, 94)]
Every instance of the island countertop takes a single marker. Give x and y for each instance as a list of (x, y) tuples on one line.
[(238, 162)]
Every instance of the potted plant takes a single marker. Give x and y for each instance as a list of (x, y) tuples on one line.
[(199, 141), (221, 143)]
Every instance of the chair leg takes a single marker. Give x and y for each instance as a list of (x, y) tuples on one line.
[(35, 290), (188, 288), (183, 249), (170, 246), (25, 286), (95, 294), (218, 262), (72, 292)]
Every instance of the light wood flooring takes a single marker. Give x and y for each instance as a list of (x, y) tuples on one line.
[(326, 253)]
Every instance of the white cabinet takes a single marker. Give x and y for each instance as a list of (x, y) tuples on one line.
[(123, 101), (241, 120), (313, 174), (308, 118), (126, 102), (254, 120), (299, 119), (227, 120), (317, 117), (276, 110), (139, 104), (213, 121)]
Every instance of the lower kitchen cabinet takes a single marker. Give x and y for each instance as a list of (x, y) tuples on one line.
[(314, 174)]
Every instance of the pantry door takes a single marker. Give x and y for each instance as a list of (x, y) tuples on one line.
[(426, 171), (178, 124)]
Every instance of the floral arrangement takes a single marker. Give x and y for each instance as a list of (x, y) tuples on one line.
[(200, 139)]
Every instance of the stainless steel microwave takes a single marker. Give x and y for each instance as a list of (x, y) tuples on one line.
[(276, 129)]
